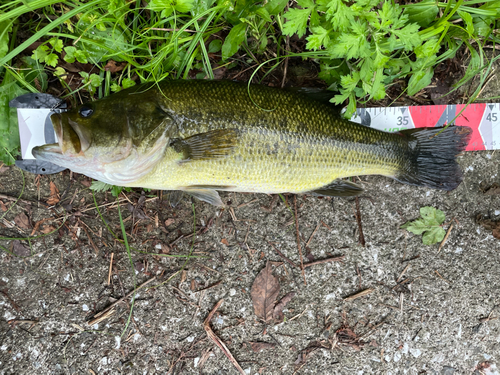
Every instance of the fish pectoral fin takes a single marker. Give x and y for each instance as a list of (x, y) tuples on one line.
[(338, 188), (206, 195), (210, 145)]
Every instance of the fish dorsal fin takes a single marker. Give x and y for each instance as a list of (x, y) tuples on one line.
[(206, 195), (338, 188), (210, 145), (317, 95)]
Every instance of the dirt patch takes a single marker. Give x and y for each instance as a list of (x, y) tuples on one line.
[(429, 311)]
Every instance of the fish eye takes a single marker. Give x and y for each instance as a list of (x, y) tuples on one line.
[(85, 111)]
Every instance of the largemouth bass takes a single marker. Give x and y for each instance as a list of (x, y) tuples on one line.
[(204, 136)]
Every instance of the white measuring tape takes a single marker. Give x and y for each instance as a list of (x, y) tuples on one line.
[(483, 119)]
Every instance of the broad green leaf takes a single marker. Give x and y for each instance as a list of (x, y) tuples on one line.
[(234, 40), (56, 44), (5, 28), (59, 72), (417, 227), (423, 13), (433, 235), (275, 6), (482, 25), (215, 46), (40, 53), (70, 54), (95, 80), (429, 225), (170, 5), (51, 60), (127, 82), (264, 14), (427, 49), (81, 57), (200, 6), (432, 216), (467, 18), (115, 87), (420, 80), (104, 43)]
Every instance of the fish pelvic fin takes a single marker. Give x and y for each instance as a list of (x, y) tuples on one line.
[(206, 195), (338, 188), (210, 145), (432, 157)]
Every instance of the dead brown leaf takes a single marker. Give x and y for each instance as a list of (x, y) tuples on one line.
[(345, 336), (225, 242), (493, 189), (265, 290), (3, 206), (169, 222), (54, 194), (86, 182), (22, 221), (278, 309), (488, 224), (47, 229), (257, 346), (20, 249), (113, 67)]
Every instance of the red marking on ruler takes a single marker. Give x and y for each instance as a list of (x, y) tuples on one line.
[(426, 116), (471, 117)]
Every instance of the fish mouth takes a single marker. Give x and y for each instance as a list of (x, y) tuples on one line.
[(71, 141), (71, 137)]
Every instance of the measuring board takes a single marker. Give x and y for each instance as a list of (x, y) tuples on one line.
[(483, 119)]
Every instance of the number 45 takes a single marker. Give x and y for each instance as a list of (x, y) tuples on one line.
[(492, 117)]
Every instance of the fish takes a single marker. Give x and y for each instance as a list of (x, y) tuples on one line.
[(203, 136)]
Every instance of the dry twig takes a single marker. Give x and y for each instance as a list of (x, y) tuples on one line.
[(327, 260), (217, 341), (298, 240), (359, 294), (99, 316)]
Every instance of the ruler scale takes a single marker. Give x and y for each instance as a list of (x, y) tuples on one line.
[(483, 119)]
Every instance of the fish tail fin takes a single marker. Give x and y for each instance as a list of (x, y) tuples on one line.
[(432, 156)]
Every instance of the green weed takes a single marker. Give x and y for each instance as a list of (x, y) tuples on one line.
[(430, 225)]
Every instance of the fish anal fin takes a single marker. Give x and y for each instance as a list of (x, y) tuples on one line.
[(206, 195), (338, 188), (210, 145)]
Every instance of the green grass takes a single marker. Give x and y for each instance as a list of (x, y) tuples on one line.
[(363, 46)]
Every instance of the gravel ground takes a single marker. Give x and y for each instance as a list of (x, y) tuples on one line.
[(427, 314)]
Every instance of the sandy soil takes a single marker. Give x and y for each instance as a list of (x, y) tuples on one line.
[(428, 311)]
